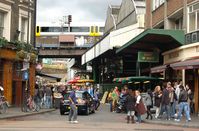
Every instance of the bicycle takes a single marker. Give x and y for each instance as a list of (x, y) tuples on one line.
[(31, 104), (3, 105)]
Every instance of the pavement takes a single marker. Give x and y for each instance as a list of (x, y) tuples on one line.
[(15, 112), (194, 123)]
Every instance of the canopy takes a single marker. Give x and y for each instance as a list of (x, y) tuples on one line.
[(135, 79), (154, 38), (85, 80)]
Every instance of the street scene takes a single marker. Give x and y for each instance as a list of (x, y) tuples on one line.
[(99, 65)]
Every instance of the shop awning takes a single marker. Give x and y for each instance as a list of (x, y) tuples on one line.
[(188, 64), (158, 69), (155, 38)]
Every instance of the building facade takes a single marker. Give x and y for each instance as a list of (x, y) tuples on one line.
[(183, 14), (17, 22)]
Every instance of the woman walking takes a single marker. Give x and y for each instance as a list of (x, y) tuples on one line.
[(148, 103), (139, 106), (158, 98), (130, 106)]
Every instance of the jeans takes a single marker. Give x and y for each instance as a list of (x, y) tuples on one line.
[(72, 113), (139, 119), (184, 106), (165, 108), (48, 101), (130, 113), (157, 112), (172, 109)]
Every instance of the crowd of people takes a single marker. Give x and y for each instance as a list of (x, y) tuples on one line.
[(171, 102)]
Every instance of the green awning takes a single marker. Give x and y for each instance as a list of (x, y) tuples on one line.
[(124, 80), (160, 38)]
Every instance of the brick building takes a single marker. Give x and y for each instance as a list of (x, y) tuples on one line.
[(17, 22)]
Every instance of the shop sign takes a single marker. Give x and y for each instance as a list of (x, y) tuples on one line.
[(148, 57)]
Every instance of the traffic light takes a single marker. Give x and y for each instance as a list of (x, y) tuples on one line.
[(69, 18)]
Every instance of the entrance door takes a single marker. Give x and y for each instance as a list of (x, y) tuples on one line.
[(14, 85)]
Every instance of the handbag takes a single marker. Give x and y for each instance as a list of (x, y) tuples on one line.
[(140, 108)]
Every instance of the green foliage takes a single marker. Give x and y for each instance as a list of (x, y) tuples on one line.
[(3, 42)]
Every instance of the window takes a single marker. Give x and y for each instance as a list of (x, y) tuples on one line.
[(79, 29), (101, 29), (193, 18), (198, 20), (179, 23), (1, 23), (157, 3), (24, 24)]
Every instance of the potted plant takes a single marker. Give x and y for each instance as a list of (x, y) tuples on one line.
[(3, 42)]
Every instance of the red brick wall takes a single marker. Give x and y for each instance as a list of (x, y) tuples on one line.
[(174, 5), (158, 15), (148, 14)]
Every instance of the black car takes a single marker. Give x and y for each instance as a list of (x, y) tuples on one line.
[(85, 103)]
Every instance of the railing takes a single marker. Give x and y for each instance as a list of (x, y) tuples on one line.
[(40, 45), (192, 37)]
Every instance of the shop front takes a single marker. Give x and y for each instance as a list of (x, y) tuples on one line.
[(185, 64), (146, 50), (11, 72)]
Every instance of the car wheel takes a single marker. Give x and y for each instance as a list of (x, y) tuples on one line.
[(62, 112), (93, 111), (87, 111)]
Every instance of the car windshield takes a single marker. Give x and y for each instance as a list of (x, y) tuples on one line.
[(79, 94)]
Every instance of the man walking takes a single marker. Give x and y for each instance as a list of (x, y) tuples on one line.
[(73, 108), (183, 105), (166, 101)]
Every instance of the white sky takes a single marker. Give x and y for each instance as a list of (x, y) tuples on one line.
[(81, 10)]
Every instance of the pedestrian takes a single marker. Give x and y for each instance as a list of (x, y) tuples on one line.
[(115, 97), (96, 99), (130, 106), (173, 99), (148, 103), (110, 100), (48, 94), (190, 98), (165, 107), (139, 106), (158, 98), (183, 105), (73, 108)]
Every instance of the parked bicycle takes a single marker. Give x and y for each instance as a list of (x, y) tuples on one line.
[(3, 105), (30, 105)]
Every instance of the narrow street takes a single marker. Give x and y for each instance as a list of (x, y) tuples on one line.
[(102, 120)]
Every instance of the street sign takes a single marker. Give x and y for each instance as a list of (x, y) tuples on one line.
[(148, 57)]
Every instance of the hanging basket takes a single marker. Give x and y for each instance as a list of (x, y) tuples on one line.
[(21, 54), (33, 57)]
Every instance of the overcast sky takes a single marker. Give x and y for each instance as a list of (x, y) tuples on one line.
[(81, 10)]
